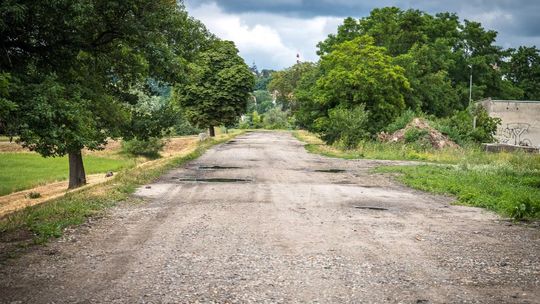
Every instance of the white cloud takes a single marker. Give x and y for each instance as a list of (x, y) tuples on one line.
[(269, 40)]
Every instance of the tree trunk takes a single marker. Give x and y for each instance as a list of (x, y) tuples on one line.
[(212, 131), (77, 177)]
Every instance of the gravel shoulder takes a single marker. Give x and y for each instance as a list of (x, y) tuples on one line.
[(260, 220)]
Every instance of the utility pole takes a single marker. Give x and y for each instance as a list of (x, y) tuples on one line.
[(470, 96), (470, 85)]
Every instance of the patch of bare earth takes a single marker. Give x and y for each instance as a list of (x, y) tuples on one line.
[(260, 220), (435, 137)]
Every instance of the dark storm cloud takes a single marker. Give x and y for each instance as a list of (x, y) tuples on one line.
[(304, 8), (297, 25), (521, 17)]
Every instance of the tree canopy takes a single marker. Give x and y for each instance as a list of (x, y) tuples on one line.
[(358, 72), (218, 86), (68, 69)]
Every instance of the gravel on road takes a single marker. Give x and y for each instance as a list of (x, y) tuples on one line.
[(260, 220)]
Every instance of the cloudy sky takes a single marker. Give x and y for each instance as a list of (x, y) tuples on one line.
[(271, 32)]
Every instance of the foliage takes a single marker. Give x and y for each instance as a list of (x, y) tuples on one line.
[(524, 71), (436, 52), (263, 79), (72, 66), (261, 102), (401, 122), (182, 126), (256, 120), (285, 82), (347, 127), (218, 87), (414, 134), (358, 72), (461, 126), (149, 147), (276, 118), (22, 171)]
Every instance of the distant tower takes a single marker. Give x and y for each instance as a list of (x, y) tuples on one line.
[(297, 58)]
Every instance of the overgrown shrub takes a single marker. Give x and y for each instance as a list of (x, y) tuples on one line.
[(183, 127), (276, 118), (256, 120), (148, 148), (460, 127), (344, 126), (402, 121), (414, 134)]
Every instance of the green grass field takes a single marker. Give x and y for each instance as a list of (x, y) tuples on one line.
[(19, 171)]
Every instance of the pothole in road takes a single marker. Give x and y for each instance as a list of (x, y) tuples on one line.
[(370, 208), (218, 167), (213, 180), (330, 170)]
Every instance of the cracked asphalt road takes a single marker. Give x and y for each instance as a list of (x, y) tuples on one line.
[(270, 228)]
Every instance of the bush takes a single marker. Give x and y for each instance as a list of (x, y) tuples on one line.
[(148, 148), (276, 118), (183, 127), (459, 127), (401, 122), (256, 120), (346, 126), (414, 134)]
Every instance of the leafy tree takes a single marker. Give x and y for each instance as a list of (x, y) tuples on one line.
[(218, 87), (261, 103), (358, 72), (349, 30), (263, 79), (285, 82), (344, 126), (276, 118), (440, 50), (308, 109), (431, 88), (71, 67), (524, 71)]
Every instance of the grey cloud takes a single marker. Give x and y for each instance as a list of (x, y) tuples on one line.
[(516, 21)]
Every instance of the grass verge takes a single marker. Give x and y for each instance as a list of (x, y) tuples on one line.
[(507, 183), (22, 171), (39, 223), (505, 190)]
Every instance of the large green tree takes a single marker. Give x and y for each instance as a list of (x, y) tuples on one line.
[(218, 87), (358, 72), (284, 83), (434, 49), (68, 69), (523, 70)]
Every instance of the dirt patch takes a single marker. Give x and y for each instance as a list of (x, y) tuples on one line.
[(19, 200), (436, 138)]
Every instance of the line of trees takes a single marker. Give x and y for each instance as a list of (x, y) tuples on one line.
[(394, 60), (75, 73)]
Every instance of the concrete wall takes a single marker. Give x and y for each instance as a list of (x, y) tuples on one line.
[(520, 121)]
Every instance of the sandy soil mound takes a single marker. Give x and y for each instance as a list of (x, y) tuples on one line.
[(436, 138)]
